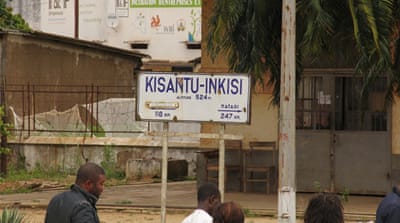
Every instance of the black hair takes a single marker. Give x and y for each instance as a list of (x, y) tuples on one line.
[(89, 171), (324, 208), (207, 190)]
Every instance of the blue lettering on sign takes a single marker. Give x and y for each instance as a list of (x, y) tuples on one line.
[(226, 116), (229, 106), (186, 82), (221, 86), (158, 114), (170, 87), (194, 85), (235, 88), (161, 84), (149, 84)]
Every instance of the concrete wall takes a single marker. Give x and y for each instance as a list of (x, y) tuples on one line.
[(41, 59), (70, 157)]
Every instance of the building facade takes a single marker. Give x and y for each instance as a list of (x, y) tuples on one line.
[(342, 144), (165, 30)]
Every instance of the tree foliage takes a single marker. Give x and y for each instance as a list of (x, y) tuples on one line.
[(10, 21), (248, 32)]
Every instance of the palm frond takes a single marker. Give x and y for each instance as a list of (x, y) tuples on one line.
[(248, 33), (319, 26), (368, 11)]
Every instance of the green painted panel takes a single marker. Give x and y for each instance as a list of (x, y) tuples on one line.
[(165, 3)]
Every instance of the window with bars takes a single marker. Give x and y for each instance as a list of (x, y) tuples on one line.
[(327, 102), (313, 104)]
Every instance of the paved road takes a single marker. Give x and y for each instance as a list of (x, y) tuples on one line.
[(182, 196)]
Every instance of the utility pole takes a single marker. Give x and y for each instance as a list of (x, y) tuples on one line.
[(287, 128)]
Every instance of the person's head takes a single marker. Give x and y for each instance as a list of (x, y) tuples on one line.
[(228, 212), (91, 177), (326, 208), (208, 197)]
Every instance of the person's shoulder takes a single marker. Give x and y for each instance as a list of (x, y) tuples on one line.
[(68, 195), (393, 198), (198, 216), (389, 203), (62, 194)]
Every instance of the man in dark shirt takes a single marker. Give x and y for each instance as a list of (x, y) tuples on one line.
[(79, 203), (389, 209)]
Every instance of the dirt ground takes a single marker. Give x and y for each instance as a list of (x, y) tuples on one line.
[(36, 215), (114, 216)]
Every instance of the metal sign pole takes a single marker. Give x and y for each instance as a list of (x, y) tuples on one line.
[(164, 173), (221, 162), (170, 96), (287, 128)]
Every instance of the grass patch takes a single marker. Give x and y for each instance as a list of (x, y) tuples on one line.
[(248, 213), (189, 178), (37, 173), (23, 181), (109, 164), (124, 202), (19, 190), (115, 182)]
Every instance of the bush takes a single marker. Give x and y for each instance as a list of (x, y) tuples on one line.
[(11, 216), (109, 164)]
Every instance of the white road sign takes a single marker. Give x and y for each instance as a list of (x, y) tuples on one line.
[(200, 97)]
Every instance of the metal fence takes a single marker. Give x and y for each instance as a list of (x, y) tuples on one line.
[(90, 110)]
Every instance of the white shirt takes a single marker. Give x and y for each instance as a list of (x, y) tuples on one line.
[(198, 216)]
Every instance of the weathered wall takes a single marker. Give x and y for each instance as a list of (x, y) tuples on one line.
[(263, 126), (395, 141), (264, 121), (264, 116), (396, 127), (69, 157), (96, 23), (29, 10), (41, 59)]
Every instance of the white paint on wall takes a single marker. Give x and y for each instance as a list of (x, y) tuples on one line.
[(92, 20), (165, 25), (57, 16)]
